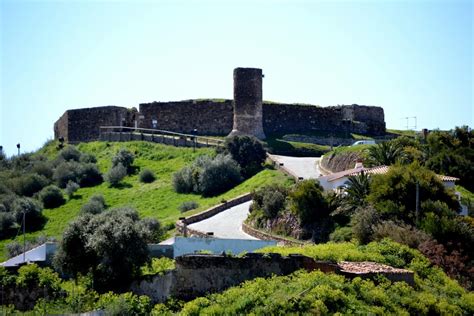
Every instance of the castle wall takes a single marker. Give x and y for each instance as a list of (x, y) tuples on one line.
[(211, 117), (82, 125), (208, 117)]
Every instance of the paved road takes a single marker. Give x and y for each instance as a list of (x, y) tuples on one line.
[(226, 224), (306, 167)]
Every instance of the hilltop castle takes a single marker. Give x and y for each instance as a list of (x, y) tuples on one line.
[(245, 114)]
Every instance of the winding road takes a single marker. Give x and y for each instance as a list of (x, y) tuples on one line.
[(304, 167), (226, 224)]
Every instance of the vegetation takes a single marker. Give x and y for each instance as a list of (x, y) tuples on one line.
[(188, 206), (248, 152), (147, 176), (51, 197), (208, 176), (111, 246), (116, 174), (157, 200)]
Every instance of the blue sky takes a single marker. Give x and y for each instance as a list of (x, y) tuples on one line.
[(413, 58)]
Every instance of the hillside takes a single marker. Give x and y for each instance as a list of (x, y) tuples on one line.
[(317, 293), (157, 199)]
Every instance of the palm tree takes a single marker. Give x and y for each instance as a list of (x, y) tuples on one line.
[(386, 153), (357, 189)]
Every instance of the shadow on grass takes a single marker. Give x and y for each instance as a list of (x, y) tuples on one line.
[(121, 186)]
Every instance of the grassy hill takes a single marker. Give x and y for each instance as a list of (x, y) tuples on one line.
[(157, 199)]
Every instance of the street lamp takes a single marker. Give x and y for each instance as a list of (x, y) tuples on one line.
[(195, 131), (18, 146)]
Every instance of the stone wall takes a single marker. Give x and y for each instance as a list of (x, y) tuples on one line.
[(215, 117), (83, 124), (208, 117)]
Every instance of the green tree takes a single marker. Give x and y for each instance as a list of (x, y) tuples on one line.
[(110, 245), (385, 153), (307, 201), (248, 152), (394, 194), (357, 189)]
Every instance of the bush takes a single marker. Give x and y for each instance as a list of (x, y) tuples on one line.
[(151, 230), (89, 175), (248, 152), (341, 234), (65, 172), (33, 213), (271, 199), (6, 224), (95, 205), (183, 180), (363, 223), (187, 206), (147, 176), (87, 158), (44, 168), (71, 188), (401, 233), (116, 174), (70, 153), (124, 304), (307, 201), (124, 158), (29, 184), (222, 174), (51, 196), (109, 244)]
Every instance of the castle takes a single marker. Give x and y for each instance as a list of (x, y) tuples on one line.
[(245, 114)]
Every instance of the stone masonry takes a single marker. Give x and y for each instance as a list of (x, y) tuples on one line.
[(246, 114)]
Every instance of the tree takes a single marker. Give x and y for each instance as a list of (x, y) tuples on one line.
[(307, 201), (394, 193), (110, 245), (357, 189), (385, 153), (125, 158), (248, 152)]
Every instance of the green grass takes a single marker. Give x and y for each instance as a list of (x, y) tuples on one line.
[(409, 133), (280, 146), (157, 199)]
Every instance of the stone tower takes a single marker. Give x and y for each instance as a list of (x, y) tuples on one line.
[(248, 102)]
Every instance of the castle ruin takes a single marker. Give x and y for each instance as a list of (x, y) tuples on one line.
[(246, 114)]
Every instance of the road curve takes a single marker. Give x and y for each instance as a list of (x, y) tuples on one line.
[(226, 224), (305, 167)]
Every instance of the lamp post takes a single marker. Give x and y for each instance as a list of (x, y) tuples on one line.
[(195, 131), (18, 146)]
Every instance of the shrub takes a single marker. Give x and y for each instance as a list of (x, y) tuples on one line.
[(363, 223), (33, 213), (51, 196), (89, 175), (6, 224), (71, 188), (183, 180), (219, 176), (124, 158), (110, 244), (248, 152), (29, 184), (401, 233), (70, 153), (65, 172), (187, 206), (151, 230), (87, 158), (124, 304), (271, 199), (95, 205), (147, 176), (307, 201), (116, 174), (43, 168), (341, 234)]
